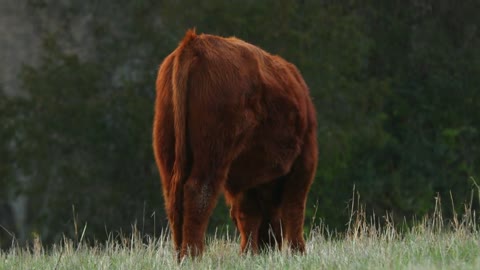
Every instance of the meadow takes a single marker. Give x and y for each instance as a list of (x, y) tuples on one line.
[(371, 242)]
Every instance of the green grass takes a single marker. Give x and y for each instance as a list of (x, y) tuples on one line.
[(432, 243), (421, 249)]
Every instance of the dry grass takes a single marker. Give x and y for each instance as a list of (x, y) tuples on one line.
[(370, 243)]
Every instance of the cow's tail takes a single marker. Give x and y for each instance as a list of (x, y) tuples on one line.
[(181, 67)]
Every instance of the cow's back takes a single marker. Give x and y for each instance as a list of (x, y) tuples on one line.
[(263, 101)]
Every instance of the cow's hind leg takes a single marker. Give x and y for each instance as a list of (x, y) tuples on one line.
[(200, 196), (201, 190), (297, 184)]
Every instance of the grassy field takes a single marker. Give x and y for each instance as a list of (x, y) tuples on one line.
[(431, 244)]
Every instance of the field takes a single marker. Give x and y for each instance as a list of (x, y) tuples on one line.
[(432, 243), (420, 250)]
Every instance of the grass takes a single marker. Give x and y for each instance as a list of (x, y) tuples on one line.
[(431, 244)]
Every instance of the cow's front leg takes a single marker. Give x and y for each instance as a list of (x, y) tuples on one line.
[(270, 235), (248, 217)]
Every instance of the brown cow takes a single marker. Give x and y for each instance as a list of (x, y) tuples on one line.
[(232, 118)]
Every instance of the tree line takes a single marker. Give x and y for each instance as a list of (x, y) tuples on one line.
[(395, 84)]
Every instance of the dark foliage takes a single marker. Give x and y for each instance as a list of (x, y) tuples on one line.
[(395, 83)]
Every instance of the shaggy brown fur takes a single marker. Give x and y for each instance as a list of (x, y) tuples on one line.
[(231, 118)]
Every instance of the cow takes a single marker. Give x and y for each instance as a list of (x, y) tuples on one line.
[(232, 118)]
